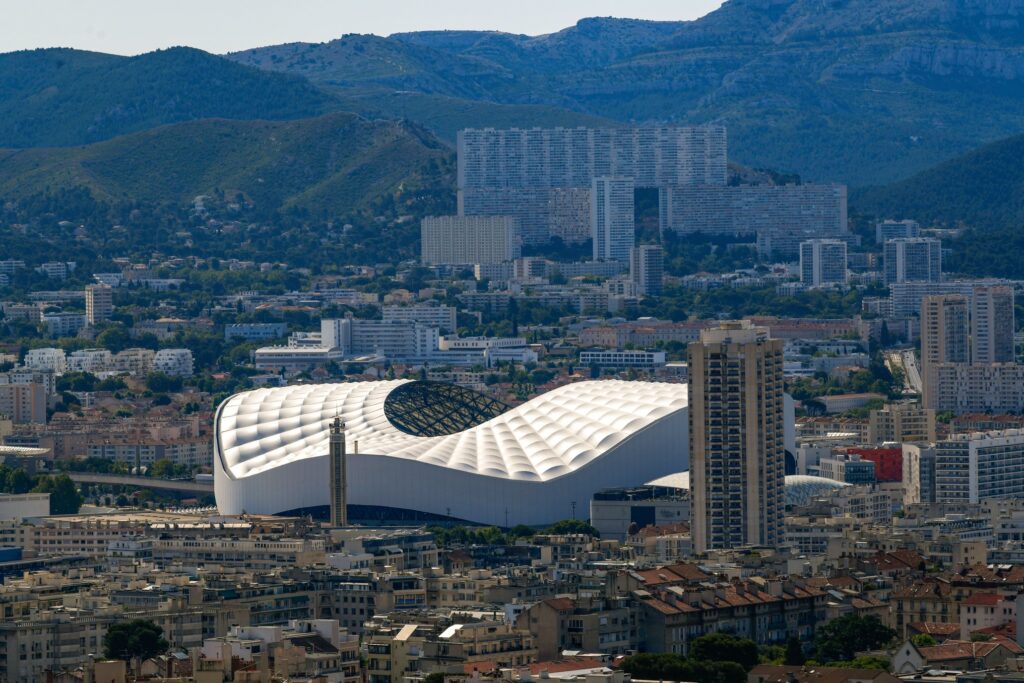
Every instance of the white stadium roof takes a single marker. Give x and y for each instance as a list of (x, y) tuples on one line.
[(271, 447)]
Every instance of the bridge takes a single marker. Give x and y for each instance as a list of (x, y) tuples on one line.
[(183, 485)]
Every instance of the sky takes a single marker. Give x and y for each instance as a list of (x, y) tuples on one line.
[(131, 27)]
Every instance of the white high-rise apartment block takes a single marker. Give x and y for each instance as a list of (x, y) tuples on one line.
[(973, 467), (890, 230), (174, 362), (992, 324), (611, 218), (54, 360), (823, 263), (781, 216), (431, 314), (653, 156), (913, 259), (737, 437), (99, 303), (467, 240), (396, 340), (544, 177), (647, 269)]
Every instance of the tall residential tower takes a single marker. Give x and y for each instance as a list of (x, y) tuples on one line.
[(737, 432), (339, 474)]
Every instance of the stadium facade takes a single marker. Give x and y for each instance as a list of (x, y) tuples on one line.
[(443, 450)]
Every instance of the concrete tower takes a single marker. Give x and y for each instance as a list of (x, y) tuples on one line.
[(737, 434), (339, 479)]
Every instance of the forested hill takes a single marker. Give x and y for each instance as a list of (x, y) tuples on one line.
[(332, 164), (59, 97)]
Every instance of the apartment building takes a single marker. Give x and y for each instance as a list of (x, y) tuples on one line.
[(737, 452), (913, 259), (430, 314), (647, 269), (901, 422), (23, 403), (99, 303), (973, 467), (611, 218), (470, 239), (822, 263)]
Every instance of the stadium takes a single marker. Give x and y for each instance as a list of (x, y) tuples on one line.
[(418, 450)]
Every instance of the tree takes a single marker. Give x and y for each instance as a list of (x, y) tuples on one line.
[(794, 652), (722, 647), (572, 526), (865, 662), (159, 383), (923, 640), (841, 639), (19, 481), (64, 496), (139, 638), (162, 469)]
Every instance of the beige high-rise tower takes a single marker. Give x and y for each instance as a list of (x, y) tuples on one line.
[(737, 437), (99, 303), (339, 475), (944, 338)]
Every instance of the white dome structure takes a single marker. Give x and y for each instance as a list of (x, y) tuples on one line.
[(442, 450)]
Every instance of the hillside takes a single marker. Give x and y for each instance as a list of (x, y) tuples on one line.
[(861, 91), (59, 97), (983, 189), (444, 116), (332, 164)]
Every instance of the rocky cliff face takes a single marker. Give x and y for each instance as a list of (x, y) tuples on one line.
[(860, 91)]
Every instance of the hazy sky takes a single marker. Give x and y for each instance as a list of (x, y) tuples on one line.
[(135, 26)]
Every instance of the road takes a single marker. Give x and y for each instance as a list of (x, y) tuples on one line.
[(907, 362), (184, 485)]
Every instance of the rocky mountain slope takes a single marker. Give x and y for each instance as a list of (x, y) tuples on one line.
[(861, 91)]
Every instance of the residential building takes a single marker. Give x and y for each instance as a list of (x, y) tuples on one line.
[(647, 269), (780, 216), (891, 230), (737, 452), (255, 331), (918, 473), (961, 388), (174, 362), (611, 218), (136, 362), (913, 259), (973, 467), (54, 360), (430, 313), (822, 263), (23, 403), (63, 324), (99, 303), (944, 338), (622, 359), (901, 422), (847, 468), (992, 324), (470, 239)]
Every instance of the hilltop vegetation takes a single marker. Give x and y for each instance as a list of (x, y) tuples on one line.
[(983, 188), (59, 97), (328, 165)]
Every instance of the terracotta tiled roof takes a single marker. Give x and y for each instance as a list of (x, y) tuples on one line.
[(769, 673), (934, 628), (959, 649), (987, 599), (560, 604)]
